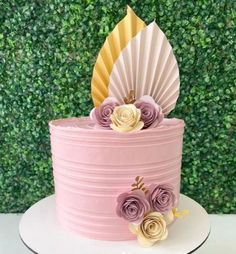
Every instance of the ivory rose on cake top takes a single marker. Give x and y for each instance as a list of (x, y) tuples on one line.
[(135, 84)]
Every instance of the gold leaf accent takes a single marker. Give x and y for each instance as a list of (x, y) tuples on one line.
[(139, 185), (180, 214), (137, 178), (130, 99)]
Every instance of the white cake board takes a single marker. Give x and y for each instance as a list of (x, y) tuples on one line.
[(41, 232)]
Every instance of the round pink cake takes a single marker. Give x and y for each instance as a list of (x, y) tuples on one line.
[(91, 167)]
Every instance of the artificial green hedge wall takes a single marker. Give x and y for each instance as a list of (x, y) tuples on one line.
[(47, 52)]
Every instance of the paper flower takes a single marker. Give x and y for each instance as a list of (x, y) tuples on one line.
[(126, 118), (101, 115), (151, 230), (132, 206), (151, 113), (161, 197), (169, 217)]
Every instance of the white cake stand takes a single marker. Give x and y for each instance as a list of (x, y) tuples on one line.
[(41, 233)]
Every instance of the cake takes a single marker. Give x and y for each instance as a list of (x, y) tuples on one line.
[(119, 169)]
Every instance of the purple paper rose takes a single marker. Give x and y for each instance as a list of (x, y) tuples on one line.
[(132, 206), (151, 113), (101, 115), (161, 197)]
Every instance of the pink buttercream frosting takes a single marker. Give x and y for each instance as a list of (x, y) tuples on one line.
[(91, 167)]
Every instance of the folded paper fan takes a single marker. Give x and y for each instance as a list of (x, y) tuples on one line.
[(148, 66), (124, 31)]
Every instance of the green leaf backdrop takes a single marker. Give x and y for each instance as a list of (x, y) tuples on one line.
[(47, 53)]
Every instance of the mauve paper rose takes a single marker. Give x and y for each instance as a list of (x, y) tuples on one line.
[(132, 206), (161, 197), (101, 115), (151, 113)]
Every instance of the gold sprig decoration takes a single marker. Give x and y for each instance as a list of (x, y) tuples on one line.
[(139, 185), (179, 214), (130, 99)]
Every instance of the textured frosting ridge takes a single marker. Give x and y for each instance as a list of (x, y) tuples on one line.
[(91, 167)]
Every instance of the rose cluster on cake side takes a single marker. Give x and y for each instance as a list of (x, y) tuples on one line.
[(149, 210), (131, 116)]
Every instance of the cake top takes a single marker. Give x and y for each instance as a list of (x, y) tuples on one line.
[(135, 80), (79, 124)]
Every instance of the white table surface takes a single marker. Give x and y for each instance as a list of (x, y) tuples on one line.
[(221, 240)]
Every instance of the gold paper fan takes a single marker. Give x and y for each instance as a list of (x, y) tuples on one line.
[(123, 32)]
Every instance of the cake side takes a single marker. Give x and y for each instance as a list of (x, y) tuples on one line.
[(91, 167)]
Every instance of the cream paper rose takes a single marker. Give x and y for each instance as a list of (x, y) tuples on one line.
[(169, 217), (151, 230), (126, 118)]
